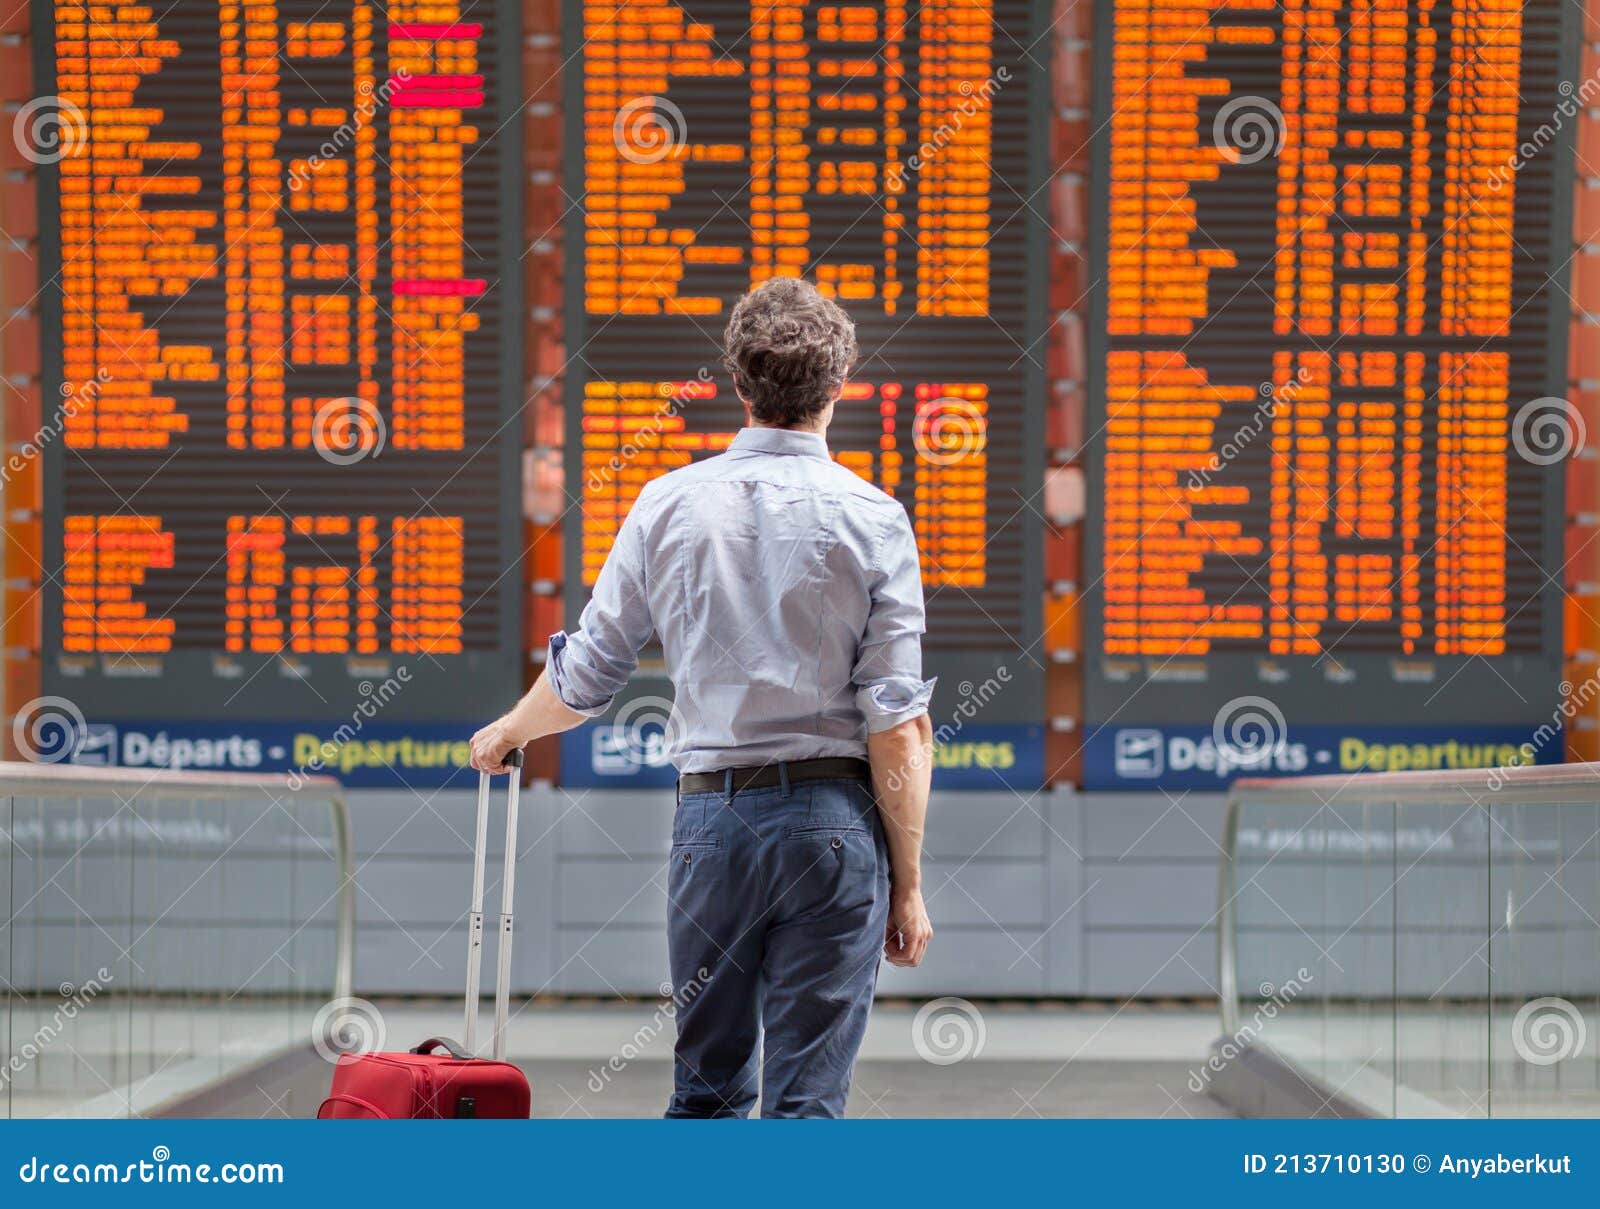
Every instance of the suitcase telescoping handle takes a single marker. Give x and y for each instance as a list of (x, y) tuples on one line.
[(480, 857)]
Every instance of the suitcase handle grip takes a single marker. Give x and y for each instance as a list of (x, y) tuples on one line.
[(512, 758), (444, 1043)]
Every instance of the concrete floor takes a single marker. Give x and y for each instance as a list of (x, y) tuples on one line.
[(616, 1061), (891, 1089), (613, 1059)]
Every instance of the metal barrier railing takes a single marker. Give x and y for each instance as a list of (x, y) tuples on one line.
[(160, 929), (1418, 943)]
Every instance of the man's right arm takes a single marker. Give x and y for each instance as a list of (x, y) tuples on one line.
[(902, 772)]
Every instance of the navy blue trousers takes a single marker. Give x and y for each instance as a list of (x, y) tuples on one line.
[(777, 904)]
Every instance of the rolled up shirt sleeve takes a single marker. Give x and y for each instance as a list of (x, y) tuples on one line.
[(591, 665), (888, 669)]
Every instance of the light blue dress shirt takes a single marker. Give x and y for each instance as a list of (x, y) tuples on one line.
[(787, 594)]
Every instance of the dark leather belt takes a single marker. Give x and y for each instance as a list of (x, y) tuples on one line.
[(832, 768)]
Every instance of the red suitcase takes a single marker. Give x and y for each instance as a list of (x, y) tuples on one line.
[(421, 1083)]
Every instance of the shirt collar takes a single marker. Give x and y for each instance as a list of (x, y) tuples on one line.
[(780, 440)]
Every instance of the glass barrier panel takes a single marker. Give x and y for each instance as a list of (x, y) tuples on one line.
[(1355, 843), (1278, 891), (1441, 973), (155, 940), (1543, 947), (1446, 930)]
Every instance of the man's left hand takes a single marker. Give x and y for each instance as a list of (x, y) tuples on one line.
[(491, 745), (909, 930)]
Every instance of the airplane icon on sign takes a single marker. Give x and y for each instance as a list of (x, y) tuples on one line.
[(1140, 753)]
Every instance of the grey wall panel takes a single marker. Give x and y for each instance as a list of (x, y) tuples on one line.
[(1002, 895), (421, 890), (1183, 826), (389, 961), (250, 960), (1154, 893), (1151, 961), (612, 823), (1066, 914), (962, 960), (1148, 879), (440, 824), (616, 960), (414, 878), (987, 825), (598, 893)]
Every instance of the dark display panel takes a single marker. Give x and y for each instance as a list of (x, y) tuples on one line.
[(887, 152), (282, 256), (1328, 341)]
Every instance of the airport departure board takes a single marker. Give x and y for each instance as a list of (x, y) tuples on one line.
[(893, 154), (880, 150), (1327, 351), (281, 242)]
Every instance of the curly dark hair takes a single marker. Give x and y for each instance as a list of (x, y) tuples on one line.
[(789, 350)]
